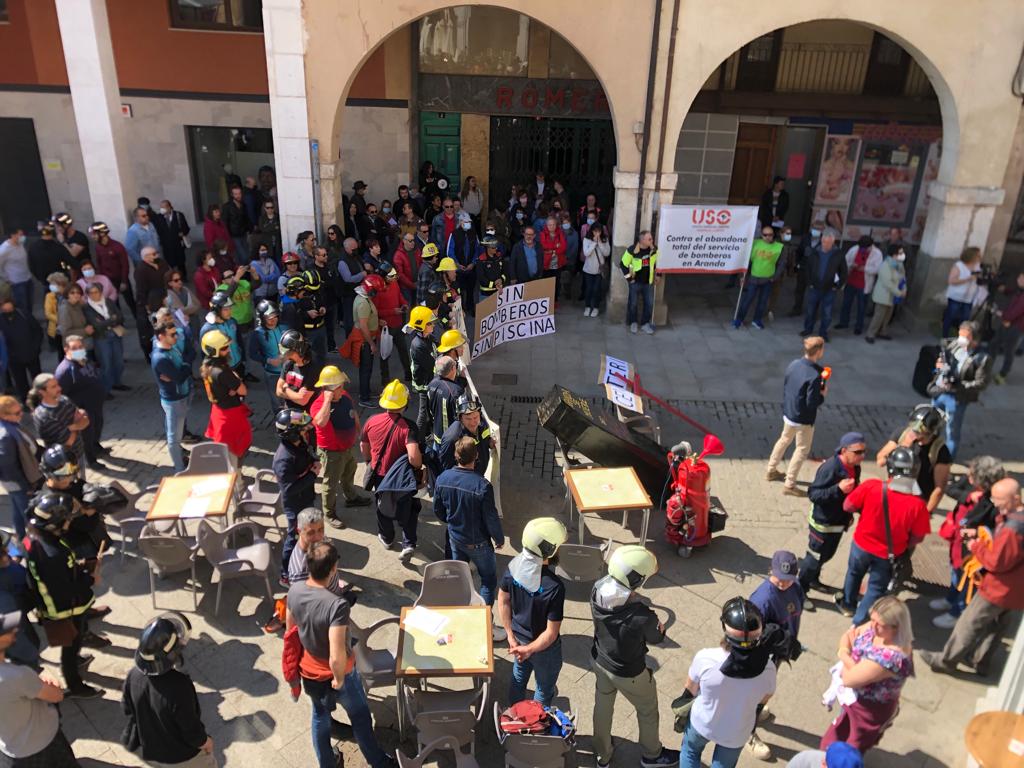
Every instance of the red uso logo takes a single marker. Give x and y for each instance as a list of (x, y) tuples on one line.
[(710, 216)]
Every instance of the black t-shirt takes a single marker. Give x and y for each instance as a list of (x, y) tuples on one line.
[(164, 717), (926, 475), (644, 276), (532, 612), (297, 376), (219, 383)]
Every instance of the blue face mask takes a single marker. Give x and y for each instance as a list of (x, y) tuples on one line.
[(591, 220), (467, 225), (54, 288), (520, 215), (566, 225), (78, 355)]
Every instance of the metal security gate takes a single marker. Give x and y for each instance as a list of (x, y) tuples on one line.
[(579, 153)]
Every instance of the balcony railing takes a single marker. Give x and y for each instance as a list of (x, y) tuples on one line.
[(822, 68)]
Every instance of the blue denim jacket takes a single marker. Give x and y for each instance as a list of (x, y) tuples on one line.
[(465, 501)]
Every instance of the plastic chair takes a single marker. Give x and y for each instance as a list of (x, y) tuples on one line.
[(131, 519), (376, 666), (264, 489), (580, 562), (168, 554), (530, 750), (209, 459), (448, 583), (462, 760), (228, 563), (447, 714)]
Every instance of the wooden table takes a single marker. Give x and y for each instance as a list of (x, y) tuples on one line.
[(467, 651), (185, 497), (996, 739), (602, 489)]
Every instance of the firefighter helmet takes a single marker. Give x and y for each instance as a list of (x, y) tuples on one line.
[(421, 317), (543, 536), (214, 343), (220, 299), (430, 252), (451, 339), (99, 228), (265, 310), (467, 404), (331, 378), (312, 280), (290, 257), (394, 397), (161, 644), (741, 615), (631, 565), (292, 341), (291, 422), (902, 462), (447, 264), (51, 511), (58, 462), (927, 420), (372, 285)]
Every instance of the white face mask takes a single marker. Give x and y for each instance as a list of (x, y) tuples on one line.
[(901, 257), (211, 262), (962, 341), (467, 225), (786, 238), (54, 288), (223, 253), (22, 239), (163, 211)]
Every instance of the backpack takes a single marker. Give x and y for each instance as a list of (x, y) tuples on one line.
[(562, 724), (524, 717)]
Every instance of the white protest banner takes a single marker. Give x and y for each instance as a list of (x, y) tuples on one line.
[(517, 312), (697, 239), (624, 398), (610, 366)]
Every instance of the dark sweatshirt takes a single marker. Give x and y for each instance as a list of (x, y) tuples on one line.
[(801, 392), (826, 496), (163, 716), (621, 636)]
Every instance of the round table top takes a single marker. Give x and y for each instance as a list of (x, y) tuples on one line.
[(996, 739)]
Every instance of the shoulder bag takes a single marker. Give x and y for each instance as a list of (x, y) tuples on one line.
[(900, 568)]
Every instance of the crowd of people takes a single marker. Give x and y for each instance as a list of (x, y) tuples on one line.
[(385, 286)]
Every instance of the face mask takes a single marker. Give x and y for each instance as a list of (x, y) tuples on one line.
[(386, 209), (163, 211), (961, 341), (816, 233), (21, 239), (78, 354), (901, 257), (467, 225), (786, 238), (520, 215), (566, 225), (223, 253), (88, 272), (591, 220), (54, 288), (264, 255)]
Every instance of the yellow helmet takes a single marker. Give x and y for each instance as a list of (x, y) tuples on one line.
[(447, 264), (331, 377), (214, 342), (394, 397), (631, 565), (421, 317), (451, 339), (429, 251), (543, 536)]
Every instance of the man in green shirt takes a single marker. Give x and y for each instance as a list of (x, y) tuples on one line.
[(764, 268)]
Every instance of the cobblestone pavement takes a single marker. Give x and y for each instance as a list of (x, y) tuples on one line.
[(729, 381)]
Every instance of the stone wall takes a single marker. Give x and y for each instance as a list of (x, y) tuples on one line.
[(59, 149), (375, 149), (475, 156)]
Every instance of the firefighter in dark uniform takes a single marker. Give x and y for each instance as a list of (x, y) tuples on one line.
[(470, 423), (313, 315), (421, 359), (442, 394), (294, 289), (62, 585), (296, 468), (298, 373), (451, 344), (87, 531), (490, 269)]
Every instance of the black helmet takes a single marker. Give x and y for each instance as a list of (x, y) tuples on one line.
[(434, 294), (467, 404), (58, 462), (311, 278), (294, 285), (927, 420), (902, 462), (265, 309), (292, 341), (291, 423), (161, 644), (741, 615), (220, 299), (50, 511)]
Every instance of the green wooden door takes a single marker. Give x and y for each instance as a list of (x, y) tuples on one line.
[(439, 143)]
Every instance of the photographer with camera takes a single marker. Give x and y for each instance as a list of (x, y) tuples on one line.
[(961, 289), (961, 375)]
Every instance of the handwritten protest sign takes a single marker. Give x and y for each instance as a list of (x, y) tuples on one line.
[(514, 313)]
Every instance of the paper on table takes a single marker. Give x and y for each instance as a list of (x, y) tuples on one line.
[(210, 485), (425, 620), (194, 507)]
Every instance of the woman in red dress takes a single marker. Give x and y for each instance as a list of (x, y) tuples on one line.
[(229, 415)]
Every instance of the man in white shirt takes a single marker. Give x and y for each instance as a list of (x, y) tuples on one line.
[(14, 269), (730, 683)]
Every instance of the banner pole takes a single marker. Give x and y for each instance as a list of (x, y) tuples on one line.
[(739, 298)]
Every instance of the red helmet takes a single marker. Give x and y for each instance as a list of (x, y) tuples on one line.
[(373, 284), (290, 258)]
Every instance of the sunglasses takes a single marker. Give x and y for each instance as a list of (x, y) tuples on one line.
[(861, 452), (409, 239)]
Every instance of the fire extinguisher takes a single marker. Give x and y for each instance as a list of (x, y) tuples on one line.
[(687, 512)]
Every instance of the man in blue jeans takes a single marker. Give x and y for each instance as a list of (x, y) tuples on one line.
[(826, 271), (869, 552), (638, 267), (327, 668), (464, 501), (173, 370), (530, 605), (963, 371)]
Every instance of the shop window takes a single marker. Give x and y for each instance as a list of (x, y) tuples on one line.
[(759, 62), (887, 68), (220, 157), (565, 61), (228, 15), (474, 40)]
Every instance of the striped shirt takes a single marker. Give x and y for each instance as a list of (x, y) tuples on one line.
[(53, 424)]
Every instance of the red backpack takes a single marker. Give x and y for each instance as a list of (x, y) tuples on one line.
[(524, 717)]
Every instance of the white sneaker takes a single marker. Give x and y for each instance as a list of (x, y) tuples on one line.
[(766, 716), (940, 604), (633, 328), (648, 329), (594, 312), (758, 748), (387, 544), (586, 311), (944, 621), (406, 555)]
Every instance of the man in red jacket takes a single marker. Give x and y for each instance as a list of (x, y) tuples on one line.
[(391, 308), (1001, 590), (1007, 338), (112, 262)]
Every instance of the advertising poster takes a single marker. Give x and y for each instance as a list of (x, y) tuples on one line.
[(516, 312), (887, 183), (696, 239), (837, 172)]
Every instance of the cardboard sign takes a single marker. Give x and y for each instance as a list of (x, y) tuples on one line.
[(624, 398), (697, 239), (516, 312), (611, 366)]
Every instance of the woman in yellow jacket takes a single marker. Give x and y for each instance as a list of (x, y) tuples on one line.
[(58, 284)]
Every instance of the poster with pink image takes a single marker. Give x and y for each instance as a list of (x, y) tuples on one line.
[(931, 173), (887, 183), (837, 172)]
